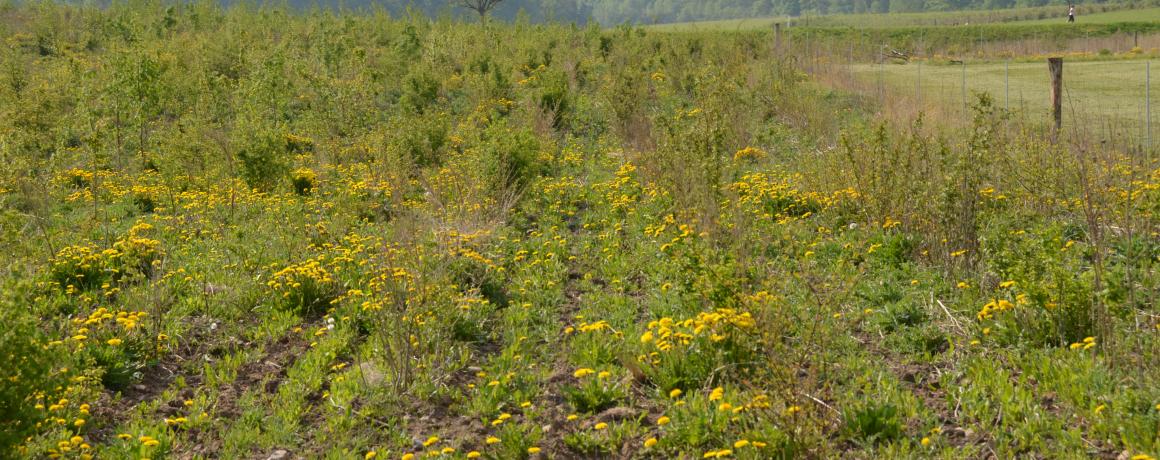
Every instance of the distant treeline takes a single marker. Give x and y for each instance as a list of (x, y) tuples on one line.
[(616, 12), (611, 12)]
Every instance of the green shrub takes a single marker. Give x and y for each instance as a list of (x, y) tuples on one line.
[(306, 288), (86, 266), (122, 365), (510, 157), (303, 180), (264, 159), (24, 369)]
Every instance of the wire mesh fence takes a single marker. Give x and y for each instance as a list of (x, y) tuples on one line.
[(1107, 93)]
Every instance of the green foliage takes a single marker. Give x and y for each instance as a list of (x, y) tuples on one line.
[(338, 233), (25, 369), (122, 365), (874, 423), (263, 156), (510, 157), (594, 395)]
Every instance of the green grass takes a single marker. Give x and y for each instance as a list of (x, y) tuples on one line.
[(231, 233), (1096, 93), (1089, 14), (1130, 15), (721, 24)]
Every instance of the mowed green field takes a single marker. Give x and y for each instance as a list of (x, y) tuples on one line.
[(1013, 17), (1134, 15), (1095, 92), (721, 25)]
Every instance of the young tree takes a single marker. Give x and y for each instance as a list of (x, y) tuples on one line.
[(479, 6)]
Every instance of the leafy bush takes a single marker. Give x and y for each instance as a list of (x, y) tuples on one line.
[(303, 180), (681, 354), (264, 158), (1046, 282), (24, 369), (86, 266), (307, 287), (511, 157)]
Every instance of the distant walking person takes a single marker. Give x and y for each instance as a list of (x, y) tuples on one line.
[(1071, 13)]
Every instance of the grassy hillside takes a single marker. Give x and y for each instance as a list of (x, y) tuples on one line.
[(244, 233)]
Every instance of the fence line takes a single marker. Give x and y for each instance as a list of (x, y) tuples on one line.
[(1092, 90)]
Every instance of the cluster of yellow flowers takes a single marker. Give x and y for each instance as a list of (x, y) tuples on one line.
[(79, 267), (771, 195), (77, 177), (87, 327), (665, 334), (1000, 305), (750, 154), (1087, 344), (75, 444), (293, 275), (304, 180), (623, 191), (68, 414), (136, 250), (992, 307), (717, 398), (301, 279), (683, 232)]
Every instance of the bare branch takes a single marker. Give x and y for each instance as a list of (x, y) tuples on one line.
[(482, 7)]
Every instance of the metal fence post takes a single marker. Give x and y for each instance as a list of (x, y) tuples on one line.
[(1055, 68), (918, 84), (964, 86)]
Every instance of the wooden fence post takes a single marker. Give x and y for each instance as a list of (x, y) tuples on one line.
[(777, 36), (1055, 66)]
